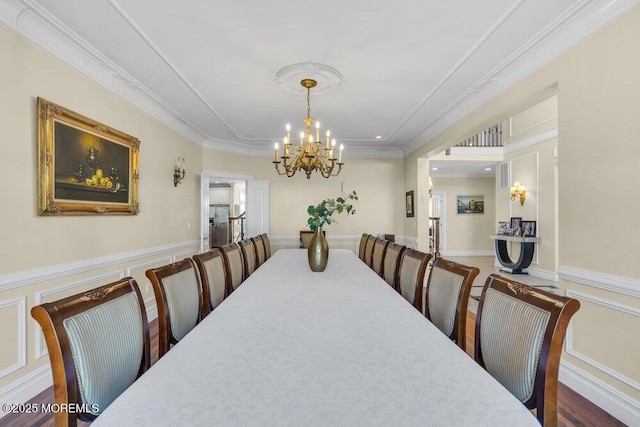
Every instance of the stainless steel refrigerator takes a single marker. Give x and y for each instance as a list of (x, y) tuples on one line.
[(219, 225)]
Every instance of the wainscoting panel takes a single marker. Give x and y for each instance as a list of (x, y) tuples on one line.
[(14, 341)]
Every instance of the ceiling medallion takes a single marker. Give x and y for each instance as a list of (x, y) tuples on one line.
[(328, 78)]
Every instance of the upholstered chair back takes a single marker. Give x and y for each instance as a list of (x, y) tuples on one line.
[(249, 257), (214, 277), (260, 250), (411, 271), (98, 344), (447, 298), (519, 335), (363, 245), (390, 264), (306, 236), (377, 256), (178, 295), (267, 245), (234, 264), (368, 250)]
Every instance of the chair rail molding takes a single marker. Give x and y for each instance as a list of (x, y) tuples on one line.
[(37, 275), (608, 282)]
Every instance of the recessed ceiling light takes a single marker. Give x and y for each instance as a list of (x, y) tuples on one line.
[(379, 137), (487, 169), (434, 169)]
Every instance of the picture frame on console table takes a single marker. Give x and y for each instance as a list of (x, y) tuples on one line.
[(516, 226), (529, 228), (84, 166)]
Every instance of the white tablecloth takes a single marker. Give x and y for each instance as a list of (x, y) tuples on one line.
[(295, 348)]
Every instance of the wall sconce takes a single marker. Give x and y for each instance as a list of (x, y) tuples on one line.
[(430, 187), (518, 192), (179, 172)]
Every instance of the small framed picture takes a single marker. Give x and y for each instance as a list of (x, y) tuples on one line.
[(409, 203), (529, 228), (516, 226)]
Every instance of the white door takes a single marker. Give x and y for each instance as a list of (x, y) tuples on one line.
[(257, 207)]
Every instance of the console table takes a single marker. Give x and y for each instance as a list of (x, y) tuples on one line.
[(527, 246)]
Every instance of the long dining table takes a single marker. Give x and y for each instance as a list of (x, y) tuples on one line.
[(291, 347)]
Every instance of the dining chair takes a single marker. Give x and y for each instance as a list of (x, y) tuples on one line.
[(377, 256), (261, 254), (447, 298), (368, 250), (390, 263), (411, 272), (267, 246), (178, 293), (305, 238), (518, 340), (234, 264), (214, 277), (98, 344), (249, 257), (363, 245)]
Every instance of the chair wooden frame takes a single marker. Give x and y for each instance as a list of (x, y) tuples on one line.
[(561, 309), (368, 249), (468, 274), (267, 246), (261, 250), (51, 316), (247, 247), (200, 261), (226, 251), (424, 261), (393, 277), (156, 275), (379, 245), (363, 245)]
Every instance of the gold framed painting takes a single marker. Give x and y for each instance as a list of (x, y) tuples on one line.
[(84, 167)]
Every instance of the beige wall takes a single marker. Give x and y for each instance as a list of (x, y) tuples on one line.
[(46, 258), (597, 86), (378, 183), (467, 234)]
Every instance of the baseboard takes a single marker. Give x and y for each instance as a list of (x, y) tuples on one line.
[(601, 394), (543, 274), (27, 387)]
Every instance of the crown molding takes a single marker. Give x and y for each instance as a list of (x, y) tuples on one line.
[(563, 33), (31, 21)]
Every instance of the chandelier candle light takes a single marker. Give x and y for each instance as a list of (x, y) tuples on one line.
[(309, 155)]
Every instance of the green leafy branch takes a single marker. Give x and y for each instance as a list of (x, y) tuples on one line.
[(320, 214)]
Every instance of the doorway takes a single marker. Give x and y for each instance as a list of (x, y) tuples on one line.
[(225, 195)]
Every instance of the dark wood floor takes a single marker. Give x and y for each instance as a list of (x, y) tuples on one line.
[(573, 409)]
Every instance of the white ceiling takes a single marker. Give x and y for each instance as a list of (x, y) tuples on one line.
[(207, 68)]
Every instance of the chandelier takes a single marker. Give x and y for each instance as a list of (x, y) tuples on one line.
[(309, 156)]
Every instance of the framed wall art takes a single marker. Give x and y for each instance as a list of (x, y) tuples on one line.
[(84, 167), (409, 203), (470, 204)]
